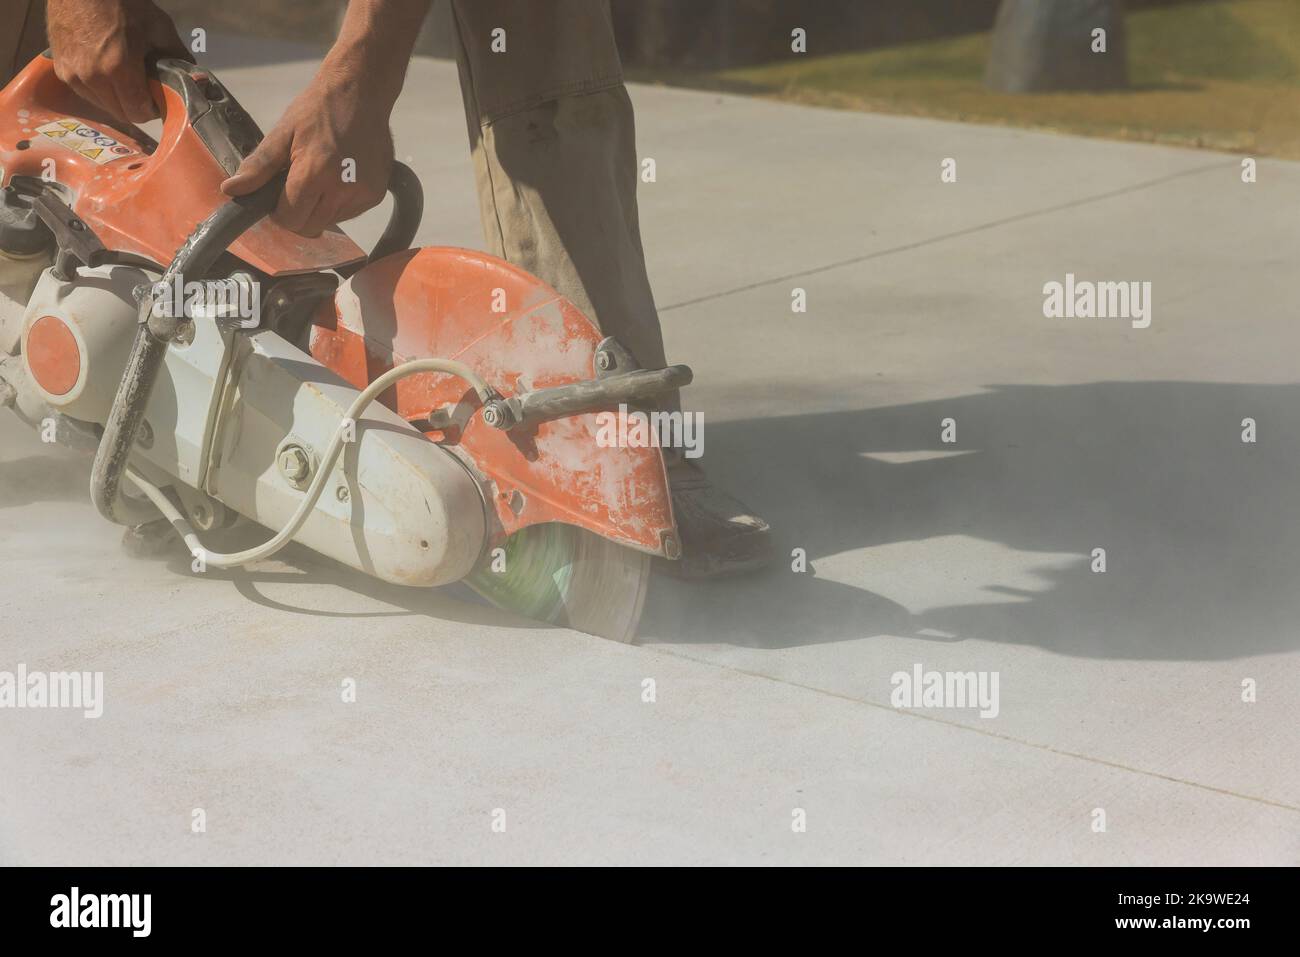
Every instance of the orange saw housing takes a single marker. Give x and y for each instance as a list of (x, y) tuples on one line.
[(444, 302), (144, 198)]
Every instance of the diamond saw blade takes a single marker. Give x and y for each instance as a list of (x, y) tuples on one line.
[(565, 575)]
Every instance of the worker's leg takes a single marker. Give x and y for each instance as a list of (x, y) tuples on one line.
[(554, 150), (554, 146), (22, 35)]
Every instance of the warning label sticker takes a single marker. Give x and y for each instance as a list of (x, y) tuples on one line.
[(86, 141)]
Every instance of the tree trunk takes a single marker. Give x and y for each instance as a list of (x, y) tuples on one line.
[(1043, 45)]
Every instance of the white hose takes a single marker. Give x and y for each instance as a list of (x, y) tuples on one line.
[(285, 535)]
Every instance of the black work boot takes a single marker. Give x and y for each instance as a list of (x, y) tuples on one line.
[(720, 534)]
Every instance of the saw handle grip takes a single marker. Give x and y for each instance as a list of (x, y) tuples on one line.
[(408, 211), (230, 135)]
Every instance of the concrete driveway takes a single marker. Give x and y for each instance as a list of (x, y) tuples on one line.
[(1121, 734)]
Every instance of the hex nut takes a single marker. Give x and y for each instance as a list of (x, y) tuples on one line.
[(295, 464)]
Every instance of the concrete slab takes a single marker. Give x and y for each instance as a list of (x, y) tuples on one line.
[(1118, 691)]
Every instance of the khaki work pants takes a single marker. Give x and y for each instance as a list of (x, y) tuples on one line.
[(552, 138)]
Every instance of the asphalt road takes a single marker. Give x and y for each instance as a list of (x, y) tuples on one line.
[(1119, 692)]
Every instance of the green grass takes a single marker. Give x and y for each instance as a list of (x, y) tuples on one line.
[(1221, 75)]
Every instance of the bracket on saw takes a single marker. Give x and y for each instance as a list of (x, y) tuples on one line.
[(77, 242)]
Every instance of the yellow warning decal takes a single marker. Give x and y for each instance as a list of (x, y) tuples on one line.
[(86, 141)]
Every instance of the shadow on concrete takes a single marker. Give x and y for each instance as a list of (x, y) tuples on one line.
[(1202, 531), (298, 565)]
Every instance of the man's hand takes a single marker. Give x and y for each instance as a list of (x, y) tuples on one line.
[(335, 142), (100, 48), (334, 138)]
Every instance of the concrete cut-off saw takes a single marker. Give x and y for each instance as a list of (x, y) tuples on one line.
[(424, 416)]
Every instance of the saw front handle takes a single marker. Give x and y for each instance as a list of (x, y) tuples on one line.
[(230, 135), (618, 380), (158, 329)]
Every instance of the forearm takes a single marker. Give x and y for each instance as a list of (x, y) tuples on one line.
[(374, 46)]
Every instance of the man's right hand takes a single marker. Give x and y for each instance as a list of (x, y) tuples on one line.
[(100, 48)]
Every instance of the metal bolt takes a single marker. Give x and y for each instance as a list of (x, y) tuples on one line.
[(342, 493), (672, 547), (497, 415), (295, 465)]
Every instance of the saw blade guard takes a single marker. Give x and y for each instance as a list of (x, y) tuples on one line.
[(521, 336)]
